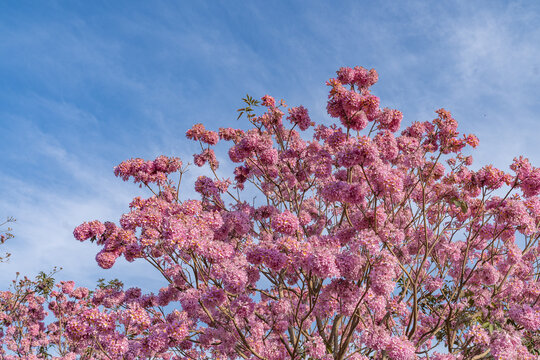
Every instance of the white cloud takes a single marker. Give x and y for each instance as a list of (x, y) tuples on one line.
[(496, 81), (46, 216)]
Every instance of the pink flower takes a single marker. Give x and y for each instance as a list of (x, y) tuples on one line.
[(268, 101), (286, 223), (505, 346), (210, 137), (229, 134), (346, 75), (316, 348), (488, 274), (382, 275), (526, 316), (349, 265), (213, 297), (207, 155), (299, 115), (269, 157), (390, 119), (439, 356), (67, 287), (362, 152), (106, 259), (158, 339), (530, 185), (387, 145), (88, 230), (148, 171), (323, 263), (80, 293), (400, 349), (478, 335), (365, 78), (206, 187)]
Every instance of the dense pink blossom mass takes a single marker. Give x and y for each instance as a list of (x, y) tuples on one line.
[(363, 242)]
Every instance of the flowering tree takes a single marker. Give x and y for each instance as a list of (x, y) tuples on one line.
[(367, 244), (5, 234)]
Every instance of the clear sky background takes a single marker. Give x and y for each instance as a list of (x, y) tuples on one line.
[(85, 85)]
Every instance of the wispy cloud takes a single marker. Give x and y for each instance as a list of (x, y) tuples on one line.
[(47, 215), (496, 80)]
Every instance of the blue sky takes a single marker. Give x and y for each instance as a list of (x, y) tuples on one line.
[(85, 85)]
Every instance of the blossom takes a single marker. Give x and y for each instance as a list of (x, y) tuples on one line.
[(268, 101), (488, 274), (390, 119), (505, 346), (439, 356), (322, 262), (478, 335), (299, 115), (286, 223), (400, 349), (207, 155), (365, 78), (362, 152), (346, 75), (148, 171), (526, 316), (106, 259), (387, 145), (88, 230)]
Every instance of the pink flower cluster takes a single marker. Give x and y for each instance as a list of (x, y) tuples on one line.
[(268, 101), (89, 230), (199, 133), (286, 223), (528, 176), (147, 172), (299, 116), (358, 76)]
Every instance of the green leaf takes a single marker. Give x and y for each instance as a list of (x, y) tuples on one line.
[(460, 203)]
